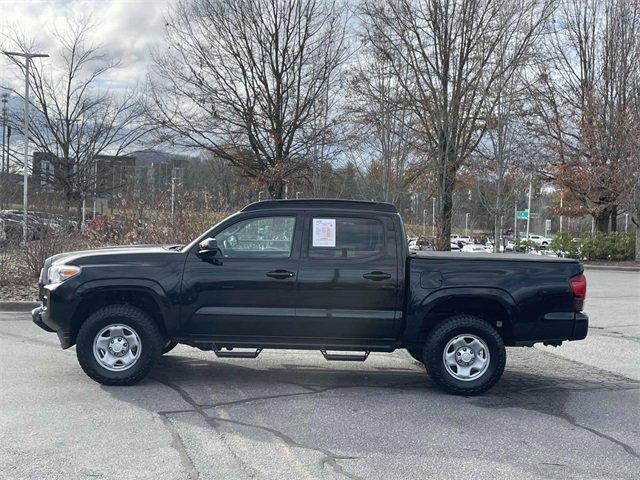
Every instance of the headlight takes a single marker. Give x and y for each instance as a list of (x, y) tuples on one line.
[(60, 273)]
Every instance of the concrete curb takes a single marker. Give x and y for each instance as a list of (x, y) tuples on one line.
[(620, 268), (18, 306)]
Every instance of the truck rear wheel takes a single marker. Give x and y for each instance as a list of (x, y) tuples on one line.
[(168, 346), (464, 355), (118, 345)]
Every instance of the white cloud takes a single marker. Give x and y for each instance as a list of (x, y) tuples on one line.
[(127, 29)]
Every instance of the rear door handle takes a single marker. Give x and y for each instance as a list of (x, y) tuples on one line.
[(376, 276), (280, 274)]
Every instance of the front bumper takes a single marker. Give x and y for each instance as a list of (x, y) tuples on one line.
[(55, 316), (36, 316)]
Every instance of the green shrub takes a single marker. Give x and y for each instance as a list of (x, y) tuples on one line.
[(526, 246), (563, 243), (615, 246)]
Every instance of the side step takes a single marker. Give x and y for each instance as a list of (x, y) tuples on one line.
[(237, 354), (345, 357)]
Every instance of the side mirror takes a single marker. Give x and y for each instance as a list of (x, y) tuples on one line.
[(208, 248)]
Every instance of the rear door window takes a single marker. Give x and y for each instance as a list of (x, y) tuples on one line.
[(345, 237)]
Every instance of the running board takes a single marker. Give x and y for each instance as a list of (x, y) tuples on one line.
[(344, 357), (237, 354)]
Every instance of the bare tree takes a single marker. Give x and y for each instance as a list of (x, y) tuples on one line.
[(244, 79), (377, 109), (503, 153), (456, 51), (584, 96), (74, 119)]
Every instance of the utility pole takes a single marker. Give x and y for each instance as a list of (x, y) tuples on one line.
[(529, 205), (27, 60), (433, 217), (424, 222), (515, 221), (173, 194), (466, 225), (5, 96), (4, 128), (560, 211)]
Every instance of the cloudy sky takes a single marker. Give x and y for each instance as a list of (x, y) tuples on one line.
[(128, 29)]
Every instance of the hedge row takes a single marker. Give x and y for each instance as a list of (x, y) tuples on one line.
[(615, 246)]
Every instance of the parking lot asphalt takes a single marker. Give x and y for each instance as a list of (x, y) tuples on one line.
[(567, 412)]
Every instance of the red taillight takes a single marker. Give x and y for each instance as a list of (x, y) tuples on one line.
[(579, 289)]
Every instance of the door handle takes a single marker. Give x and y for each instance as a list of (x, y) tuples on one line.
[(280, 274), (376, 276)]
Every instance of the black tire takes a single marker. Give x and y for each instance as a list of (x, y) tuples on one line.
[(416, 353), (168, 346), (151, 344), (459, 325)]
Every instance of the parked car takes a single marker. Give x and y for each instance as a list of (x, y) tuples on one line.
[(545, 253), (476, 249), (328, 275), (461, 240), (540, 240), (420, 244)]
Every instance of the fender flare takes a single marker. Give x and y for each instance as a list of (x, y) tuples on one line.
[(168, 310), (420, 310)]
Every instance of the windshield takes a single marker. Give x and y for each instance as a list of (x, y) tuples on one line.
[(207, 233)]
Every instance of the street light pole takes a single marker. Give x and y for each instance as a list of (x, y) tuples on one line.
[(433, 217), (5, 96), (27, 60), (424, 222), (529, 206), (561, 211), (466, 225)]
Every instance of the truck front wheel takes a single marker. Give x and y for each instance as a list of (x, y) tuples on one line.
[(464, 355), (416, 353), (118, 345)]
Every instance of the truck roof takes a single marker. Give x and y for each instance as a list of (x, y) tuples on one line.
[(311, 203)]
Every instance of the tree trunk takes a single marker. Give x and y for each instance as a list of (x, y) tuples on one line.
[(276, 189), (614, 218), (602, 220), (636, 220), (443, 218)]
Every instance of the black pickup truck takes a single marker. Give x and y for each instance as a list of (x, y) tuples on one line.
[(329, 275)]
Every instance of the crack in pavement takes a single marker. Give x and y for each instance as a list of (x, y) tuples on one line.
[(199, 410), (400, 386), (178, 445), (525, 400), (329, 458)]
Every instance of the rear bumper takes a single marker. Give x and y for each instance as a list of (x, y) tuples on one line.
[(557, 327), (580, 326)]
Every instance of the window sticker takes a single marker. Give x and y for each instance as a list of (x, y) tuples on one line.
[(324, 232)]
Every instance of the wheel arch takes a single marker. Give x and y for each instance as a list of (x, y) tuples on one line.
[(145, 295), (493, 305)]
